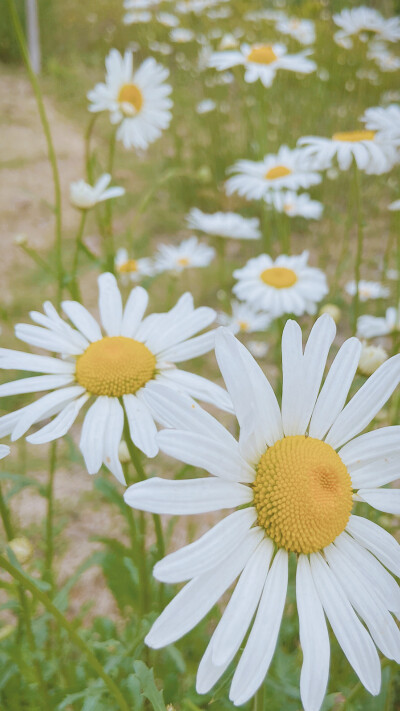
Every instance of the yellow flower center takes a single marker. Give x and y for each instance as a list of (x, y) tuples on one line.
[(183, 261), (354, 136), (302, 494), (278, 171), (279, 277), (262, 55), (129, 266), (115, 366), (243, 325), (131, 94)]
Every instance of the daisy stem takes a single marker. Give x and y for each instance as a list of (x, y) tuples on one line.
[(220, 247), (109, 237), (50, 147), (88, 160), (75, 264), (50, 514), (359, 253), (64, 624), (259, 699)]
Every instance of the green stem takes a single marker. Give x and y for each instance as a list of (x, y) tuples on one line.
[(359, 254), (78, 247), (109, 251), (88, 136), (63, 623), (137, 462), (50, 147), (5, 517), (259, 699), (50, 514)]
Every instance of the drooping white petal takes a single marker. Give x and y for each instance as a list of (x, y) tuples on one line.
[(46, 339), (112, 439), (335, 389), (16, 360), (352, 636), (134, 311), (208, 673), (260, 646), (93, 433), (35, 384), (42, 408), (378, 444), (314, 639), (208, 551), (110, 304), (240, 609), (365, 404), (292, 377), (376, 540), (141, 425), (200, 451), (82, 320), (61, 424), (387, 500), (197, 598), (192, 348), (198, 387), (186, 497)]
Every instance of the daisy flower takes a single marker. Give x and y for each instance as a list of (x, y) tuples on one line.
[(367, 290), (394, 206), (132, 269), (262, 61), (294, 205), (385, 121), (84, 196), (301, 30), (289, 169), (224, 224), (137, 17), (114, 371), (187, 254), (386, 60), (205, 106), (181, 35), (361, 20), (362, 146), (284, 286), (373, 326), (138, 101), (294, 475), (244, 319)]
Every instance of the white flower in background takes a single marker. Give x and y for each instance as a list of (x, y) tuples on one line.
[(161, 47), (220, 13), (135, 356), (84, 196), (267, 15), (244, 319), (262, 61), (287, 170), (394, 206), (294, 205), (137, 17), (385, 121), (4, 451), (140, 4), (167, 19), (373, 326), (189, 253), (137, 100), (205, 106), (295, 475), (371, 358), (386, 60), (196, 6), (363, 146), (362, 20), (367, 290), (284, 286), (258, 349), (224, 224), (132, 269), (332, 310), (301, 30), (228, 41), (181, 35)]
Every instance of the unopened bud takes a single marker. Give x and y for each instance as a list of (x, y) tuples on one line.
[(123, 452), (332, 310), (371, 358), (22, 549)]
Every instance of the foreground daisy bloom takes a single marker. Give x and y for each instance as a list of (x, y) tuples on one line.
[(84, 196), (373, 326), (293, 474), (187, 254), (284, 286), (132, 269), (244, 319), (224, 224), (137, 100), (286, 170), (362, 20), (115, 371), (367, 290), (262, 61), (294, 205), (364, 147), (385, 121)]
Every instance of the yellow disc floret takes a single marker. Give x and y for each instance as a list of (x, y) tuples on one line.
[(131, 94), (279, 277), (302, 494), (354, 136), (115, 366), (278, 171), (262, 55), (128, 267)]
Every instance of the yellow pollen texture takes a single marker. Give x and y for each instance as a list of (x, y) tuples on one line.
[(131, 94), (262, 55), (279, 277), (278, 171), (129, 266), (115, 366), (354, 136), (183, 261), (302, 494)]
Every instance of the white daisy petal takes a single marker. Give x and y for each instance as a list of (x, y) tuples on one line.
[(93, 433), (4, 451), (134, 311), (46, 339), (292, 377), (208, 673), (353, 638), (381, 443), (314, 639), (141, 425), (61, 424), (197, 598), (112, 438), (260, 646), (16, 360), (42, 408), (82, 320), (198, 387), (377, 472), (365, 404), (208, 551), (377, 541), (192, 348), (387, 500), (35, 384), (186, 497), (110, 304)]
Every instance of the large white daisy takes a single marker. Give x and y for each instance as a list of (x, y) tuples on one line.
[(224, 224), (137, 100), (115, 371), (359, 21), (364, 147), (284, 286), (262, 61), (289, 169), (294, 475)]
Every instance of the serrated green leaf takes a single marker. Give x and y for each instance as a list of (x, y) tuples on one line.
[(148, 686)]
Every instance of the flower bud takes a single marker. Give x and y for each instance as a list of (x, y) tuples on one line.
[(332, 310), (371, 358), (22, 549)]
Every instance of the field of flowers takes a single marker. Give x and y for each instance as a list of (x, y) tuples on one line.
[(200, 307)]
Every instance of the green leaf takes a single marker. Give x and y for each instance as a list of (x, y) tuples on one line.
[(148, 686)]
